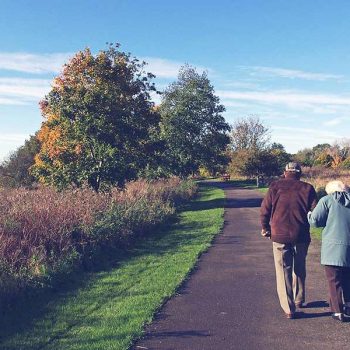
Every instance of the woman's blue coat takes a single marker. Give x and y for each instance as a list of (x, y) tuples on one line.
[(333, 213)]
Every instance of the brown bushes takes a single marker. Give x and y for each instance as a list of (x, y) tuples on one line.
[(319, 176), (43, 232)]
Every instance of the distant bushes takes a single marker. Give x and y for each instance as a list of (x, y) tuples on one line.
[(44, 233), (319, 176)]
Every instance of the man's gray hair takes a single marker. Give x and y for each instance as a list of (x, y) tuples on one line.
[(336, 186)]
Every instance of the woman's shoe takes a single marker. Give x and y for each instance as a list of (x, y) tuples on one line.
[(290, 315), (338, 317)]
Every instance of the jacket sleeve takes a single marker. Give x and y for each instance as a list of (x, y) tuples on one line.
[(265, 211), (318, 217), (313, 199)]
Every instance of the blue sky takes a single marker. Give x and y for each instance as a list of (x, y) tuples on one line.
[(284, 61)]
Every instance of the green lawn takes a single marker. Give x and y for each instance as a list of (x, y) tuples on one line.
[(107, 309), (316, 232), (263, 189)]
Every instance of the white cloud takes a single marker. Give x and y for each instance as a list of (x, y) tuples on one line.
[(241, 85), (296, 138), (9, 142), (310, 131), (12, 101), (33, 63), (291, 99), (291, 73), (19, 91), (334, 121), (164, 68), (13, 138)]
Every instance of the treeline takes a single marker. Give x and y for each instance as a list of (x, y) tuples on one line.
[(101, 128), (326, 155)]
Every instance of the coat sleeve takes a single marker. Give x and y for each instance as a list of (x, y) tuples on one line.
[(313, 199), (265, 211), (318, 217)]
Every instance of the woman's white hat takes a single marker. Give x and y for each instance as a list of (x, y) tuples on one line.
[(336, 186)]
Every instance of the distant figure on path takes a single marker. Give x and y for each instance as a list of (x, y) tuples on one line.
[(284, 219), (333, 213)]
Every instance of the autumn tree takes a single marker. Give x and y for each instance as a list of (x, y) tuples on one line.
[(99, 121), (252, 155), (193, 128), (339, 151), (249, 133), (256, 164)]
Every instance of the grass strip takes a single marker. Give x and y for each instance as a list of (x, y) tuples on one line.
[(108, 309)]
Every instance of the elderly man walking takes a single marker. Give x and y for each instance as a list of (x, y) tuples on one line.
[(284, 219)]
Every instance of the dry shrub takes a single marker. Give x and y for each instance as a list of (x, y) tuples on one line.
[(38, 226), (43, 232), (319, 176)]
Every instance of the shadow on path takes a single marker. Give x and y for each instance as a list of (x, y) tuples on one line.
[(181, 334)]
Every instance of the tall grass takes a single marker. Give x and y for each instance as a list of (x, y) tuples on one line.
[(44, 233), (319, 176)]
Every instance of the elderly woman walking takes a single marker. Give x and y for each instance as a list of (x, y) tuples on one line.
[(333, 213)]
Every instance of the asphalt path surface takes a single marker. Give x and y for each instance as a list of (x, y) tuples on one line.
[(230, 300)]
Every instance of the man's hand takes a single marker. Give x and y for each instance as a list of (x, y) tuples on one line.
[(266, 233)]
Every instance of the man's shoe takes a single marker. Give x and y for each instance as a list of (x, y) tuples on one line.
[(300, 305), (338, 317), (290, 315), (346, 310)]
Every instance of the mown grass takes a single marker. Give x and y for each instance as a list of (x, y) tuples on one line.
[(108, 309), (263, 189)]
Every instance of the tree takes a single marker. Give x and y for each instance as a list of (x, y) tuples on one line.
[(98, 121), (252, 163), (14, 172), (193, 128), (249, 133), (305, 157), (252, 154), (339, 152), (282, 157)]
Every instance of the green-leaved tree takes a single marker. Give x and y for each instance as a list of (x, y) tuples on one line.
[(193, 128)]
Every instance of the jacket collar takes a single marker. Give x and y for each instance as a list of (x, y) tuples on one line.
[(291, 175)]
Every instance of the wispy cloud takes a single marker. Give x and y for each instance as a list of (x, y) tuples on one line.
[(13, 138), (164, 68), (289, 98), (296, 138), (290, 73), (240, 85), (335, 121), (309, 131), (19, 91), (33, 63), (9, 142)]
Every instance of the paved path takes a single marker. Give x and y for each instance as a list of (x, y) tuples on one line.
[(230, 302)]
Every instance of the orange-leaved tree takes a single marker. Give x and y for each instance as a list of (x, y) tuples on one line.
[(99, 121)]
